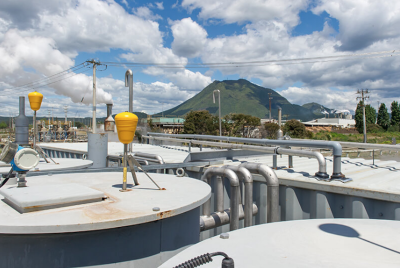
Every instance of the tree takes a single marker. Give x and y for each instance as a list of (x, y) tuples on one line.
[(271, 130), (200, 122), (242, 124), (370, 116), (3, 125), (79, 124), (295, 129), (395, 110), (383, 117)]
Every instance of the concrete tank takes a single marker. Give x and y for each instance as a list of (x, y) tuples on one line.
[(99, 226), (21, 124), (344, 243)]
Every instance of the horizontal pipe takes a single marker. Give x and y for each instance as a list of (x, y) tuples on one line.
[(150, 156), (217, 219)]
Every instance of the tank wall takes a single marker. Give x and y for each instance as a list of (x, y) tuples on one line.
[(144, 245)]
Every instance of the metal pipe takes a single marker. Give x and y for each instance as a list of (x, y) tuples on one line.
[(217, 219), (321, 174), (34, 129), (219, 193), (245, 175), (234, 200), (129, 82), (321, 160), (156, 157), (280, 132), (219, 108), (94, 99), (272, 190), (124, 184), (109, 109), (334, 145)]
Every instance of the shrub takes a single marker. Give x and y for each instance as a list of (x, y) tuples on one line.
[(295, 129)]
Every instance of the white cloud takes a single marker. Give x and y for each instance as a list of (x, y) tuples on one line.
[(363, 23), (146, 13), (189, 38), (159, 5), (240, 11)]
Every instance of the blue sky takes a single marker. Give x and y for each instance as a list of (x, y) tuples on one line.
[(41, 38)]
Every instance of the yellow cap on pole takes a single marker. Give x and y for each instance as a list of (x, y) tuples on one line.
[(126, 126), (35, 100)]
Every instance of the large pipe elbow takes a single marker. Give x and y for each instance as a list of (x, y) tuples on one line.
[(264, 170), (231, 176)]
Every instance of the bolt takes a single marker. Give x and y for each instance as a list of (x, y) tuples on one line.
[(381, 214), (224, 236), (341, 207), (156, 209)]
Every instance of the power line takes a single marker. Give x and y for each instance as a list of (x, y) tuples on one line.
[(56, 75), (258, 63), (20, 90)]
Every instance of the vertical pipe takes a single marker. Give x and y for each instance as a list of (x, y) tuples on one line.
[(274, 161), (34, 129), (290, 161), (94, 99), (219, 110), (234, 205), (219, 192), (125, 168), (109, 109), (129, 83), (279, 117), (365, 125)]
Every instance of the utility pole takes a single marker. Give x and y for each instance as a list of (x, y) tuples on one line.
[(219, 108), (363, 97), (95, 63), (270, 98), (66, 112), (376, 121)]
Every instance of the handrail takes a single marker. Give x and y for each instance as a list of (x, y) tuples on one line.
[(334, 145), (321, 174)]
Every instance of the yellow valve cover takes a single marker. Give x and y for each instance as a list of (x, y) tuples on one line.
[(126, 126), (35, 99)]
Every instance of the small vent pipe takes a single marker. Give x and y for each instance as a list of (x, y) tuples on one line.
[(22, 124)]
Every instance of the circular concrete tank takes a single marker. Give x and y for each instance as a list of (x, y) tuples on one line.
[(143, 227), (344, 243)]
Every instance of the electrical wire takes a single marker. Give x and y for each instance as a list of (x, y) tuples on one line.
[(8, 93), (248, 63), (132, 65), (56, 75)]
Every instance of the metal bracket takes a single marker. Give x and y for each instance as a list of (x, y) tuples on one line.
[(43, 154), (132, 162)]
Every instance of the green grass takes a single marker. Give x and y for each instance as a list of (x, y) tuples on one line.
[(378, 138)]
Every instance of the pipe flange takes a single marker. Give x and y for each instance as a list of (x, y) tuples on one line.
[(180, 172), (323, 176), (340, 177)]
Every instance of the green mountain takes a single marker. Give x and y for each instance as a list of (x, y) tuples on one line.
[(242, 96)]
